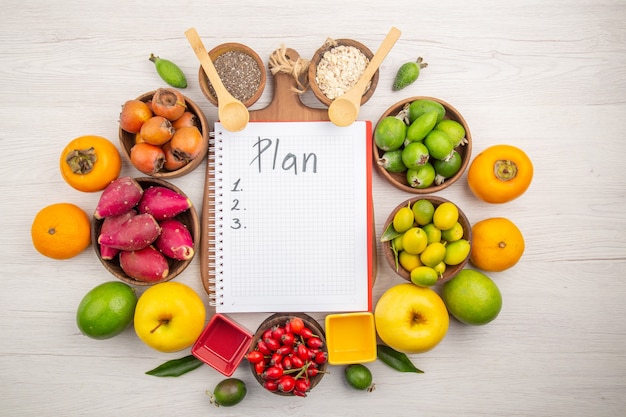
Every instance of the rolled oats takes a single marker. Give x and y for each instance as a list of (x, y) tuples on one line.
[(339, 70)]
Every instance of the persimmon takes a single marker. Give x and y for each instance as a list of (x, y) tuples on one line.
[(61, 231), (500, 174), (497, 244), (133, 115), (172, 162), (89, 163), (169, 103), (157, 130), (187, 143), (147, 158), (187, 119)]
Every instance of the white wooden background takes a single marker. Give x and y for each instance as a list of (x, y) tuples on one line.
[(548, 77)]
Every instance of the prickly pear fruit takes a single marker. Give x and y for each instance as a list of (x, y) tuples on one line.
[(175, 240), (120, 196), (147, 264), (163, 203), (134, 234)]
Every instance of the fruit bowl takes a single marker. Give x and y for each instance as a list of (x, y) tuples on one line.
[(319, 55), (247, 97), (399, 179), (128, 140), (189, 218), (451, 270), (314, 365)]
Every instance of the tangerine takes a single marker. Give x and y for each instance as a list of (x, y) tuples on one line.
[(61, 231), (497, 244)]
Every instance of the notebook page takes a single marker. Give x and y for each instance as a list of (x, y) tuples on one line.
[(295, 218)]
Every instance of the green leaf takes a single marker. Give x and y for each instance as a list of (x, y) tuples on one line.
[(397, 360), (396, 254), (389, 234), (176, 367)]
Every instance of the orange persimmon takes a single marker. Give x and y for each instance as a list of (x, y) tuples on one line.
[(500, 174), (90, 163), (147, 158)]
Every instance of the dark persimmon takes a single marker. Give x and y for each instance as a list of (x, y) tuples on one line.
[(172, 162), (147, 158), (133, 115), (169, 103), (188, 119), (187, 143), (157, 130)]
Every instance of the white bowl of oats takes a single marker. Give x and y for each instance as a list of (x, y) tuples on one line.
[(336, 66)]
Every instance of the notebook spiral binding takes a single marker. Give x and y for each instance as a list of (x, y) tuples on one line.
[(215, 212)]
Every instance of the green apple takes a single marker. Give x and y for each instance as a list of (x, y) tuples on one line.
[(472, 297), (169, 316), (411, 319)]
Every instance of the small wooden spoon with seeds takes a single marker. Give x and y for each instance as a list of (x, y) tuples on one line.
[(344, 110), (232, 113)]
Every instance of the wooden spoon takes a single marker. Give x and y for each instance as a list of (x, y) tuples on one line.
[(344, 110), (232, 113)]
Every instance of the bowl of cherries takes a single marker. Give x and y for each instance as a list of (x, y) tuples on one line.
[(288, 354)]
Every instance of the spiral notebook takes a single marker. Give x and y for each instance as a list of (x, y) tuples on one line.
[(289, 209)]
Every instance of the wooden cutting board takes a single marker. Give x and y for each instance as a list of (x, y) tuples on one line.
[(285, 106)]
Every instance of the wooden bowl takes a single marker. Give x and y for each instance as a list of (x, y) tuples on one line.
[(189, 218), (399, 179), (317, 57), (451, 270), (127, 140), (280, 319), (214, 54)]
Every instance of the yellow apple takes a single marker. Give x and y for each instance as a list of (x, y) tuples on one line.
[(411, 319), (169, 316)]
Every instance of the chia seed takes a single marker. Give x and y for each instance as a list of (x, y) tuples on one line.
[(239, 73)]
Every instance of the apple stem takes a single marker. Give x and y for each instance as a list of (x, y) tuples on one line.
[(159, 325)]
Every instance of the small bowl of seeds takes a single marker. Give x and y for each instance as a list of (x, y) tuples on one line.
[(241, 70), (337, 66)]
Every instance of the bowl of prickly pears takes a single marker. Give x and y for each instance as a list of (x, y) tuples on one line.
[(421, 145), (427, 240), (144, 230), (288, 354), (163, 133)]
